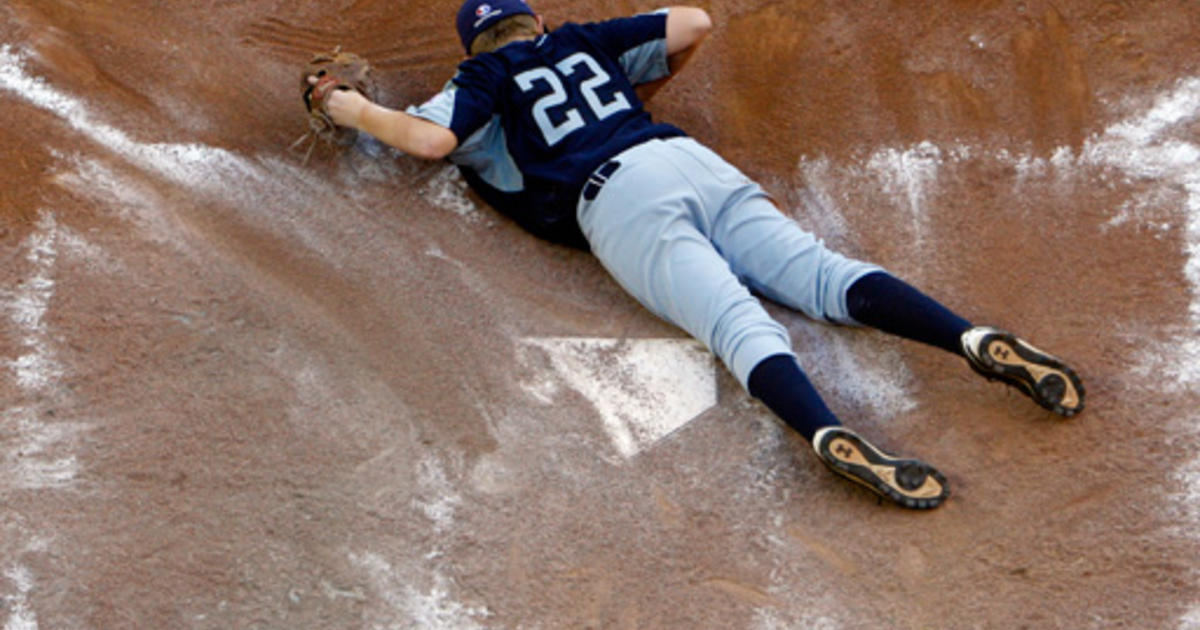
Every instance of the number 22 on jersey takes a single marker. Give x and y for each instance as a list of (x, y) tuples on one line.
[(570, 117)]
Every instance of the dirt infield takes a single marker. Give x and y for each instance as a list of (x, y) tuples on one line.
[(240, 392)]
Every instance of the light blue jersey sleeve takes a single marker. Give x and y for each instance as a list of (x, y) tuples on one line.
[(648, 61), (438, 110), (638, 43), (484, 151)]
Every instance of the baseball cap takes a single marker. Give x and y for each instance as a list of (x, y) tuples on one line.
[(476, 16)]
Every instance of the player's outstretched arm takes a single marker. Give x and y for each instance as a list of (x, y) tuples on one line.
[(686, 28), (415, 136)]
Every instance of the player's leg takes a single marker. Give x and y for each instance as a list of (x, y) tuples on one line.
[(643, 224), (791, 266), (766, 250), (648, 244), (885, 302), (783, 387), (787, 264), (826, 285), (889, 304)]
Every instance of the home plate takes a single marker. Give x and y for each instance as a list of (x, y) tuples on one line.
[(643, 389)]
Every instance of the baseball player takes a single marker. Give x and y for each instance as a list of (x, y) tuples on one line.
[(550, 127)]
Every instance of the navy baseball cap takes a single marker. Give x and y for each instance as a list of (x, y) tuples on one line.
[(476, 16)]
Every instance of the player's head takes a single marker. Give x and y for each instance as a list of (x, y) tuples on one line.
[(482, 24)]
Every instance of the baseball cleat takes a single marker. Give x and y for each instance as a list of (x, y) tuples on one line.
[(999, 355), (910, 483)]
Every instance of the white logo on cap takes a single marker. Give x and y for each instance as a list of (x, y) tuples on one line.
[(485, 12)]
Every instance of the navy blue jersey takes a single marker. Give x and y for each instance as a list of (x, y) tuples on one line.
[(535, 118)]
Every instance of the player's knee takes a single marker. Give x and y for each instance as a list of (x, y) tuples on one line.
[(838, 276)]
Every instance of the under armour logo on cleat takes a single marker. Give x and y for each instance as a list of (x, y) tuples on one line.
[(843, 450)]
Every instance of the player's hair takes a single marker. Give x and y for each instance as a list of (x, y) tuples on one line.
[(503, 32)]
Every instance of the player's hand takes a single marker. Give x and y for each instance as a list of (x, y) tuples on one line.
[(344, 106)]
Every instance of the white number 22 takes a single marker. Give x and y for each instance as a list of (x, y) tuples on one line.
[(572, 119)]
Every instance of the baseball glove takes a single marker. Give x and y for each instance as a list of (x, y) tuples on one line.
[(335, 70)]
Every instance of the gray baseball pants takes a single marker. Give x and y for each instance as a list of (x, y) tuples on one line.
[(690, 237)]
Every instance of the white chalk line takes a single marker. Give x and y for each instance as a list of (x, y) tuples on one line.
[(277, 195), (21, 617), (433, 603), (40, 456), (27, 306), (31, 463), (433, 607), (270, 191), (1156, 147)]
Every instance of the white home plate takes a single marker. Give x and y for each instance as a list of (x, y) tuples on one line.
[(643, 388)]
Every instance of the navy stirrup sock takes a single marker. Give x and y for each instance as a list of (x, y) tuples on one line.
[(883, 301), (782, 386)]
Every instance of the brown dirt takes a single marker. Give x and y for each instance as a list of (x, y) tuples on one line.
[(238, 393)]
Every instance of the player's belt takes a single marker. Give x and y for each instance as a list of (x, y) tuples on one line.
[(597, 179)]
